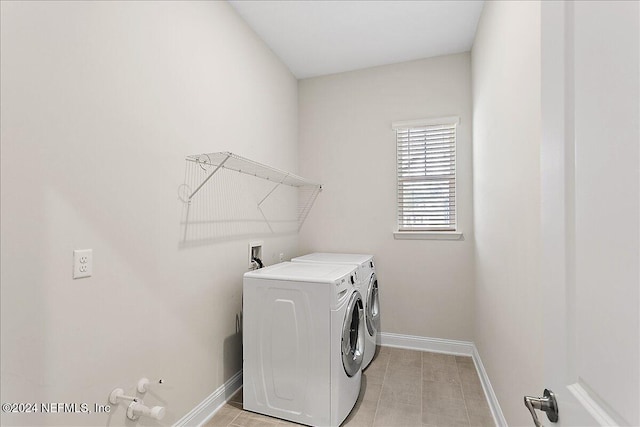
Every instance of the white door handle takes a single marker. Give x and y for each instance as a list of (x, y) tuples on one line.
[(547, 403)]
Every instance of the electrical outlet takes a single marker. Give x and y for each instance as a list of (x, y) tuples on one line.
[(281, 256), (82, 263)]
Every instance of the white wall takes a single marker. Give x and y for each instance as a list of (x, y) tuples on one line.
[(506, 164), (101, 102), (346, 142)]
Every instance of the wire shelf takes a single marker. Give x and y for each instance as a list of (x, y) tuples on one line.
[(241, 164), (210, 164)]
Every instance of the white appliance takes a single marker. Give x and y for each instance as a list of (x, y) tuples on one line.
[(303, 342), (367, 284)]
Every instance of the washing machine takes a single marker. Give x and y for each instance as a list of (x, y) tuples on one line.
[(303, 342), (367, 284)]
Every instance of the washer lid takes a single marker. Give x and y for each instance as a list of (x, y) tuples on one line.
[(334, 258), (302, 272)]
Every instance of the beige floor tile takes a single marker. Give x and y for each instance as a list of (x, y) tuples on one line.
[(383, 354), (484, 421), (432, 390), (472, 390), (434, 420), (408, 363), (362, 414), (477, 404), (404, 357), (235, 404), (438, 358), (397, 415), (237, 397), (441, 373), (464, 360), (224, 416), (250, 419), (377, 368), (401, 392), (479, 413), (403, 373), (370, 392), (383, 350), (373, 378), (405, 353), (453, 409), (478, 409), (382, 358), (468, 374)]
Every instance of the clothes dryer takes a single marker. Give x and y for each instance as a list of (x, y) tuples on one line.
[(367, 284), (303, 342)]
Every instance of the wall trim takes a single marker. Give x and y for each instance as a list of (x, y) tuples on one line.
[(428, 235), (459, 348), (492, 399), (206, 409), (425, 122), (591, 405), (436, 345)]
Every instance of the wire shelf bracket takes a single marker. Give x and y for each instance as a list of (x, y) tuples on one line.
[(234, 162)]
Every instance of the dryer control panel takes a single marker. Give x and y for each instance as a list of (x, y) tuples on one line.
[(344, 288)]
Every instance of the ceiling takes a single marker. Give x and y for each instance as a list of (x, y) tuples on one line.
[(315, 38)]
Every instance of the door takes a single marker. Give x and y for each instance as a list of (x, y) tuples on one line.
[(373, 306), (590, 211), (353, 335)]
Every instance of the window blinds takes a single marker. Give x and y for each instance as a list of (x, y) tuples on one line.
[(426, 156)]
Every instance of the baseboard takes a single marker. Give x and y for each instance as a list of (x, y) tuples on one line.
[(205, 410), (458, 348), (492, 399), (436, 345)]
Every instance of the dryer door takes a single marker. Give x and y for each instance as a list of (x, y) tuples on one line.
[(373, 306), (353, 335)]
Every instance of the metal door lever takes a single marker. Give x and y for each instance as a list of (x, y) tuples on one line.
[(547, 403)]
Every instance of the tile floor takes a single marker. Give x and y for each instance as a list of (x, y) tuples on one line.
[(400, 388)]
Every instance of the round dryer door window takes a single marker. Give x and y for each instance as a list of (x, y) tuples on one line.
[(373, 306), (353, 335)]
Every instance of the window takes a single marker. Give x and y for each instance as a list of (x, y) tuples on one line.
[(426, 175)]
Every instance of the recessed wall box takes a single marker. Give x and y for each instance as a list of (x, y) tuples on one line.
[(255, 255)]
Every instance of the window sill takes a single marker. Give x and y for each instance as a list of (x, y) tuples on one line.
[(428, 235)]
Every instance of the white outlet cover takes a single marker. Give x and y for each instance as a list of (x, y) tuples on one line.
[(82, 263)]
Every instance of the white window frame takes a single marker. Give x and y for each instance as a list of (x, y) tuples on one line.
[(455, 234)]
